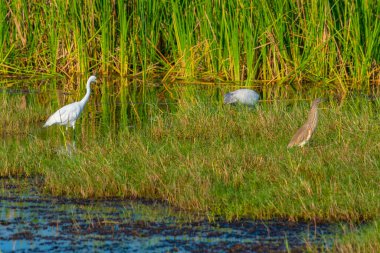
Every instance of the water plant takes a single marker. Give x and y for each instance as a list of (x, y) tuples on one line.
[(244, 41)]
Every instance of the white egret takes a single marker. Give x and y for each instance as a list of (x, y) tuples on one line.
[(68, 114), (242, 96)]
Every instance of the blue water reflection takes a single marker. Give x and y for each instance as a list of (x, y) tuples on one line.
[(30, 221)]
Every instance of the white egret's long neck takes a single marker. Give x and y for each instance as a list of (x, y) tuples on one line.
[(87, 96)]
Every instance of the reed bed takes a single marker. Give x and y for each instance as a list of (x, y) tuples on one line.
[(296, 42)]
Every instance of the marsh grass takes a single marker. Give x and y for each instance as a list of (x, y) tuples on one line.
[(294, 42), (18, 114), (222, 160), (365, 240), (227, 161)]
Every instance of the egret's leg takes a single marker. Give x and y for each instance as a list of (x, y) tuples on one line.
[(74, 136), (65, 135), (63, 132)]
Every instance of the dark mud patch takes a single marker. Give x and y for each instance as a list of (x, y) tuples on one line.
[(24, 235), (30, 221)]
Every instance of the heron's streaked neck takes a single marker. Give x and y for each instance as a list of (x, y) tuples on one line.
[(313, 115), (87, 96)]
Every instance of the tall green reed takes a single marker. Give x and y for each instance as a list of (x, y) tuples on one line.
[(287, 42), (123, 32)]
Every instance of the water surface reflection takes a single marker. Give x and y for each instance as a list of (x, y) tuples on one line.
[(32, 221)]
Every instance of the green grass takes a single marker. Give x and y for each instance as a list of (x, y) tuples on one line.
[(228, 161), (18, 114), (286, 42), (365, 240)]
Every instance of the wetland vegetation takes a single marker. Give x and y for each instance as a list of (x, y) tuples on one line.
[(289, 42), (151, 135), (206, 157)]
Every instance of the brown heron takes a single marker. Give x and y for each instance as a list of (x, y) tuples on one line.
[(303, 135)]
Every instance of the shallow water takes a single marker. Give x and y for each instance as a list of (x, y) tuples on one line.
[(32, 221)]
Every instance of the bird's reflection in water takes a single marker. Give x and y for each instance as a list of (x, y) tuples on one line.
[(69, 149)]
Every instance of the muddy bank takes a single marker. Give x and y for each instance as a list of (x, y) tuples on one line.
[(33, 221)]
